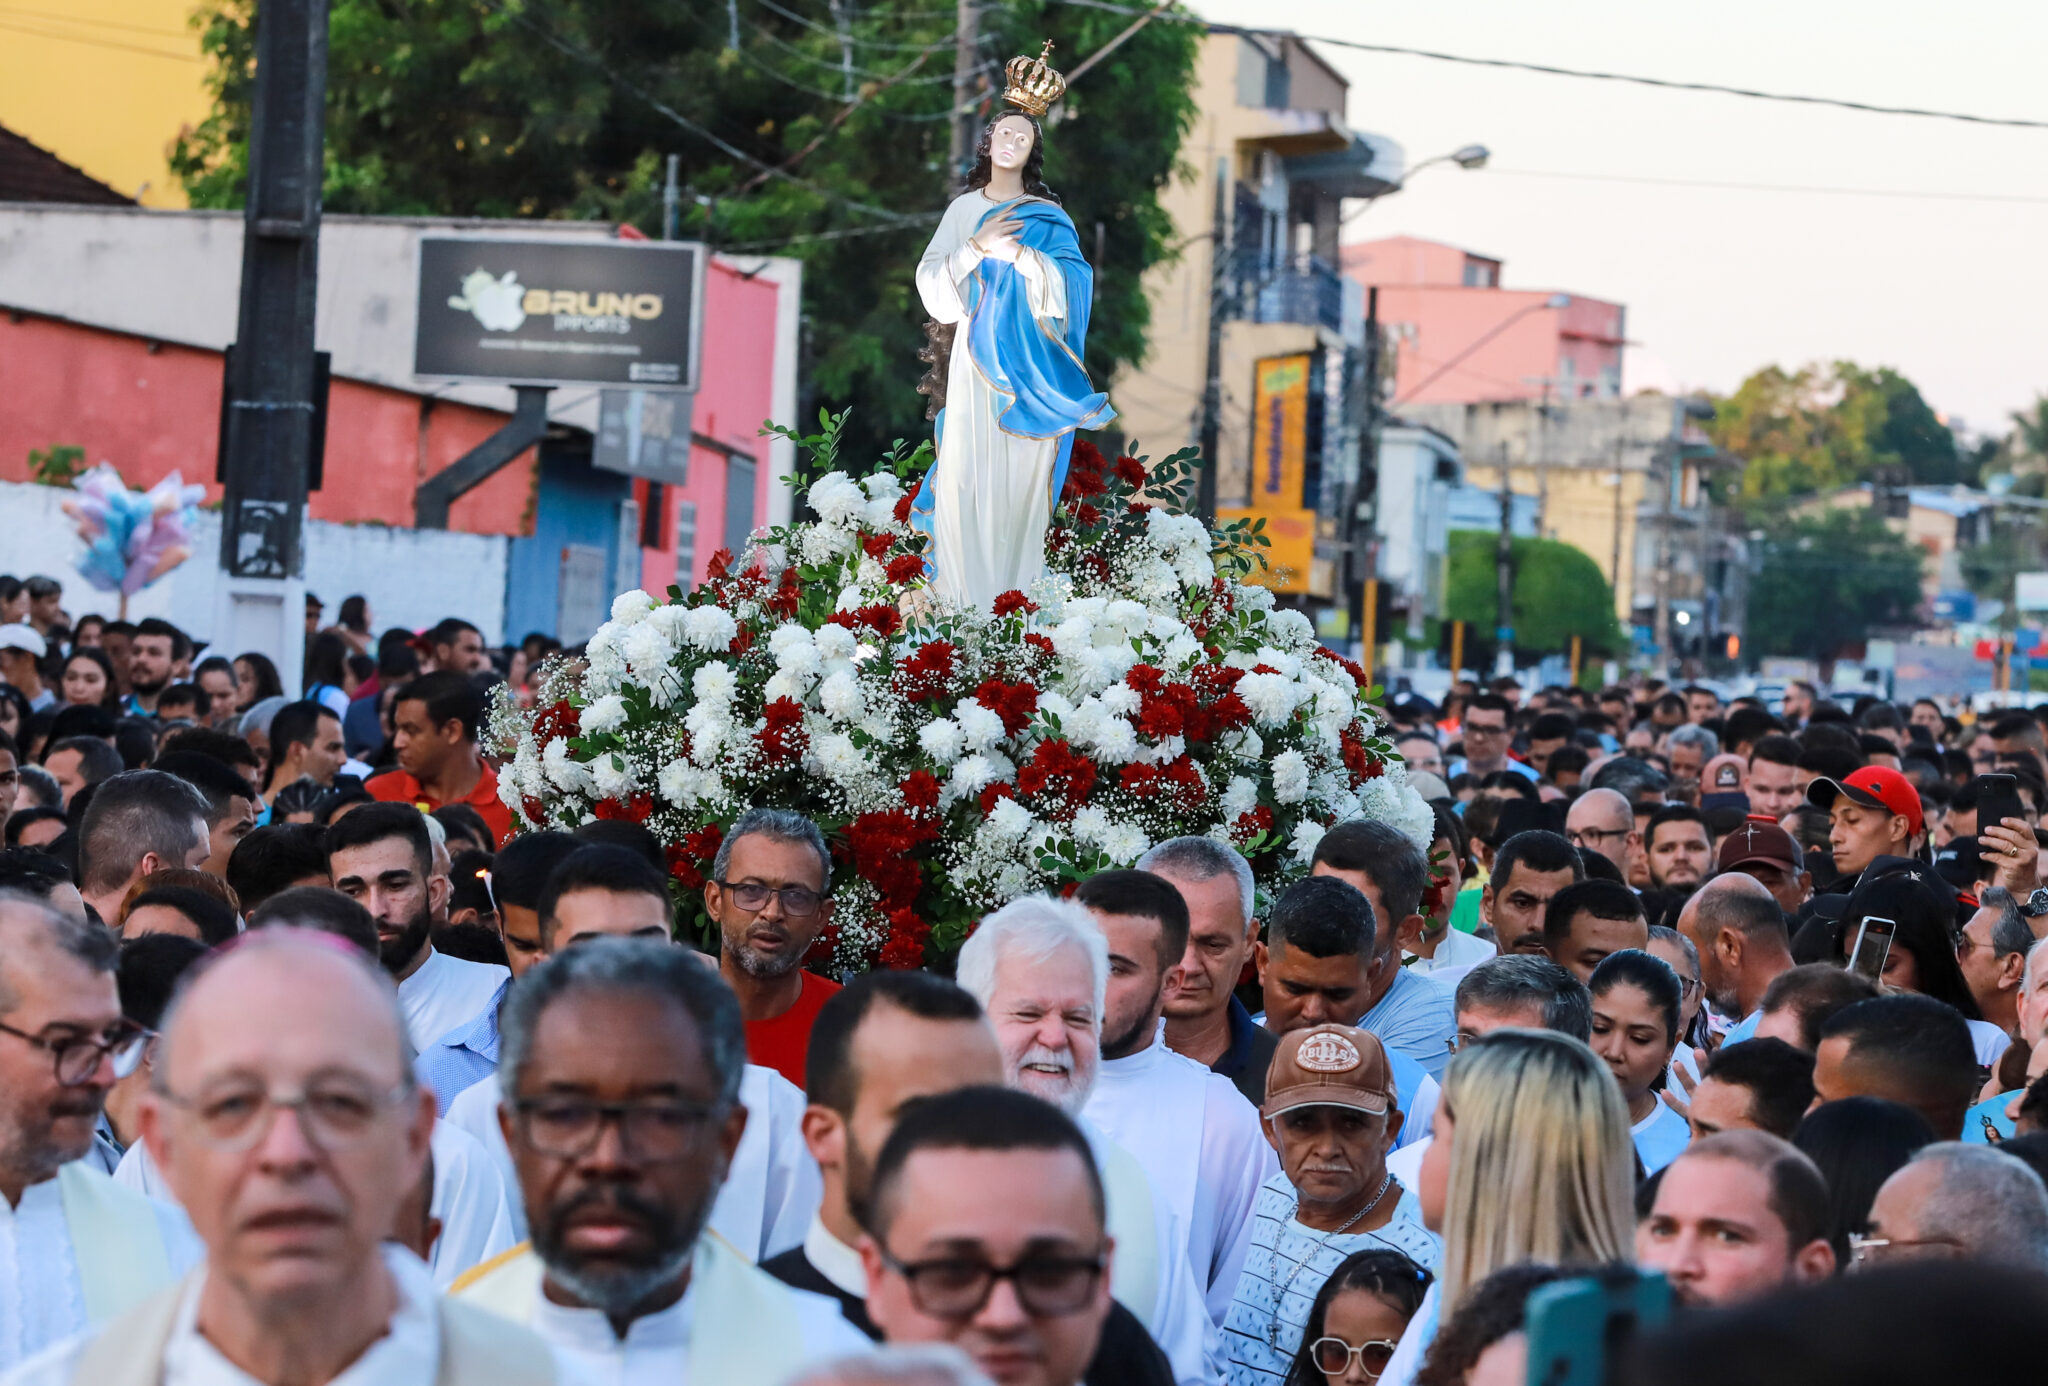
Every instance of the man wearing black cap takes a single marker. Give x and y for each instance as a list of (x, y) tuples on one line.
[(1872, 813)]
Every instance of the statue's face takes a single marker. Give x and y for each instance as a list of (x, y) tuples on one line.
[(1009, 145)]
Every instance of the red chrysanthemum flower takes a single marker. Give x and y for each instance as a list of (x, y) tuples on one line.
[(554, 722), (880, 618), (907, 567), (1058, 777), (927, 673), (1130, 471), (1010, 602), (904, 506), (920, 790), (784, 737), (875, 545), (1015, 703)]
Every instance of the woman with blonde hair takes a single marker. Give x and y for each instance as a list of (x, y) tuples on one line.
[(1530, 1160)]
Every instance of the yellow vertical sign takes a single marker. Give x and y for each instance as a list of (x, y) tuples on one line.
[(1279, 432)]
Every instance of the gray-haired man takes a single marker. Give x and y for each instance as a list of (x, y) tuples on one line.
[(1204, 1018), (767, 893)]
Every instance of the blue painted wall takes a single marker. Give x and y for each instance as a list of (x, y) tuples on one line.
[(577, 504)]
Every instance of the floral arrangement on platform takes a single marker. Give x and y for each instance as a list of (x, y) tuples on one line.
[(957, 758)]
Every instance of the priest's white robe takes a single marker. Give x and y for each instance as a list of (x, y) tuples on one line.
[(472, 1197), (72, 1242), (991, 490), (444, 992), (770, 1191), (734, 1324), (1199, 1140)]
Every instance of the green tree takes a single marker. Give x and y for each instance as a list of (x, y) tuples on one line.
[(808, 138), (1559, 592), (1826, 581), (1803, 432)]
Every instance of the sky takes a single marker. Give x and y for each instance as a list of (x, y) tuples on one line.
[(1720, 282)]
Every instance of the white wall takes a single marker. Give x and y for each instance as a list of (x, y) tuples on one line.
[(412, 577)]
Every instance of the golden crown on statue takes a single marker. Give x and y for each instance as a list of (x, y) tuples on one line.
[(1033, 85)]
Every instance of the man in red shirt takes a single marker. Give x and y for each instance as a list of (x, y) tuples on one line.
[(437, 717), (767, 894)]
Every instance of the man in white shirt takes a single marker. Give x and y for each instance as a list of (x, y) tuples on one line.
[(600, 891), (1040, 969), (1190, 1128), (621, 1066), (74, 1247), (382, 857), (287, 1121)]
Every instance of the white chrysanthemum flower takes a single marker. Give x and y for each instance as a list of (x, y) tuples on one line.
[(1275, 658), (882, 485), (611, 776), (836, 642), (686, 785), (1010, 819), (1240, 797), (1090, 826), (1125, 843), (980, 727), (1072, 636), (710, 629), (564, 771), (1307, 833), (869, 573), (799, 661), (941, 739), (1290, 777), (603, 715), (842, 698), (714, 684), (1196, 570), (786, 683), (788, 637), (1293, 629), (972, 774), (1120, 699), (647, 650), (629, 607), (668, 618), (821, 544), (1255, 598), (836, 498), (839, 759), (1272, 698), (1184, 649), (880, 514), (1056, 705), (1116, 743)]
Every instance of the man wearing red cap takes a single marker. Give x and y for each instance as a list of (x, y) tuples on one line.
[(1873, 813)]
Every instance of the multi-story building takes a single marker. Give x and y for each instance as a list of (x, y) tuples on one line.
[(1253, 305)]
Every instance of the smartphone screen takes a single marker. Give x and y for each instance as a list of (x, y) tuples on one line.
[(1998, 798), (1576, 1327), (1873, 945)]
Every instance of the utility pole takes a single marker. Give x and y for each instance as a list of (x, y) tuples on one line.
[(1670, 450), (1358, 530), (1504, 576), (1221, 255), (966, 62), (268, 441), (671, 199)]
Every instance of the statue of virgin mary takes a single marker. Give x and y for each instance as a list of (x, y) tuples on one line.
[(1004, 272)]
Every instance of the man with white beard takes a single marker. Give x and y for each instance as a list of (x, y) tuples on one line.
[(1040, 969), (1191, 1129)]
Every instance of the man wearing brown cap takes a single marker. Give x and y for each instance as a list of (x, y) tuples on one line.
[(1329, 1112), (1762, 849)]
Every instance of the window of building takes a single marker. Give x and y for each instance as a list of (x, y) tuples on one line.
[(1481, 274)]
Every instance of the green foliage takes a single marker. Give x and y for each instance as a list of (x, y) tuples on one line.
[(1824, 582), (1559, 592), (551, 108), (1818, 428), (55, 465)]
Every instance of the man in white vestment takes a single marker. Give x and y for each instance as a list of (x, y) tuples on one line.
[(285, 1116), (1190, 1128), (75, 1248), (1040, 969), (772, 1186), (382, 857), (621, 1068)]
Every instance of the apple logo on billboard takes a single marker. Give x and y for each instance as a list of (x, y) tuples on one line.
[(497, 303)]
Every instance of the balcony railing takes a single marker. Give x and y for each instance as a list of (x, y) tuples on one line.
[(1304, 289)]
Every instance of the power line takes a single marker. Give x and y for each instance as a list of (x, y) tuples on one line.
[(830, 32), (1550, 70), (1768, 187), (112, 44), (95, 23)]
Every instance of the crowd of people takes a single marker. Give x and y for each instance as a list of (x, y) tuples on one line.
[(311, 1071)]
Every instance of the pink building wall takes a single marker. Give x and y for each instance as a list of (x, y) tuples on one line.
[(1462, 343)]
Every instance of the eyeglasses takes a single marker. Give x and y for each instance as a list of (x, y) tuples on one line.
[(957, 1287), (1864, 1250), (568, 1128), (1593, 837), (76, 1058), (1332, 1356), (751, 896), (334, 1113)]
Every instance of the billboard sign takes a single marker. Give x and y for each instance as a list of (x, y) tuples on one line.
[(1279, 433), (553, 312)]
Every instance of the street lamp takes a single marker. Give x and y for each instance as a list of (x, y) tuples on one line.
[(1466, 156)]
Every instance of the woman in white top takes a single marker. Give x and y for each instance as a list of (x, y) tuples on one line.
[(1635, 1028), (1530, 1162)]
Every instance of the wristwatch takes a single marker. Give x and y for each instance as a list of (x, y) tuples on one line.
[(2037, 904)]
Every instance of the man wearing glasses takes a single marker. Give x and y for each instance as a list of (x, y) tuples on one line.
[(767, 893), (621, 1061), (1019, 1282), (1487, 730), (1961, 1202), (1601, 821), (79, 1247)]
